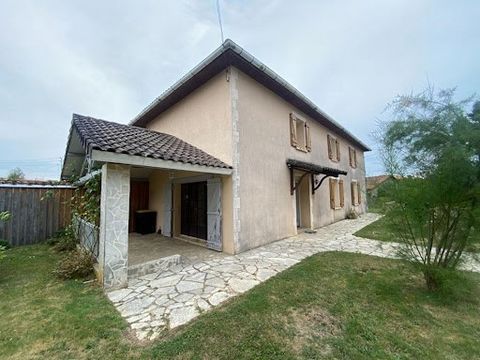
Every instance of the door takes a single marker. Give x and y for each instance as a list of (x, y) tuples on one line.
[(194, 210), (139, 192)]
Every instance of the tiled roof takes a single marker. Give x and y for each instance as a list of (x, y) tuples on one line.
[(96, 134), (374, 181)]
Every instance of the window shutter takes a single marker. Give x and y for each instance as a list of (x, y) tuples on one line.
[(352, 190), (337, 144), (341, 193), (332, 193), (354, 158), (359, 197), (293, 131), (329, 142), (308, 139)]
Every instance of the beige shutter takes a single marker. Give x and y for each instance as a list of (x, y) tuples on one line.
[(341, 193), (350, 156), (354, 158), (359, 197), (332, 193), (293, 131), (337, 144), (352, 190), (329, 142), (308, 139)]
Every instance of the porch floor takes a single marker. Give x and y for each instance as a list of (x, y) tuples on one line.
[(144, 248)]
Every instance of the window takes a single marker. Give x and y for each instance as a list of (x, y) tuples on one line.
[(333, 148), (352, 157), (356, 193), (300, 134), (337, 194)]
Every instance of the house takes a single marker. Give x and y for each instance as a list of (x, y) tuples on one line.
[(230, 157), (374, 183)]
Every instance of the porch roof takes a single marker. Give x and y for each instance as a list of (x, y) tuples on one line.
[(313, 168), (106, 141)]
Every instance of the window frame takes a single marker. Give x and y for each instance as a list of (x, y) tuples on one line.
[(306, 145), (355, 190), (337, 189), (352, 157), (333, 144)]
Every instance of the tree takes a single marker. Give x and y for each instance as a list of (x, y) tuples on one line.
[(16, 174), (435, 143)]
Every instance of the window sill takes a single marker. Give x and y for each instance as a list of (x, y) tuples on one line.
[(301, 149)]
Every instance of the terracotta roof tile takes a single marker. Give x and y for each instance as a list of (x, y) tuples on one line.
[(96, 134)]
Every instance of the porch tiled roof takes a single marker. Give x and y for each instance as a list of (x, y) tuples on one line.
[(96, 134)]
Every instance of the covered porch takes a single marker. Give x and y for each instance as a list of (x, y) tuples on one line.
[(162, 200)]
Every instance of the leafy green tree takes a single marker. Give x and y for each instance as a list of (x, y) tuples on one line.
[(16, 174), (435, 144)]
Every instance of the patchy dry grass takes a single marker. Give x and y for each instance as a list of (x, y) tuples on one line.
[(332, 305)]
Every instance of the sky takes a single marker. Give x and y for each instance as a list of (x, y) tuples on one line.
[(109, 59)]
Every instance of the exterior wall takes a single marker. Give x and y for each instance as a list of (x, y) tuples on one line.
[(202, 119), (267, 211)]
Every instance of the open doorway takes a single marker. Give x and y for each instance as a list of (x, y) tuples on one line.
[(303, 202)]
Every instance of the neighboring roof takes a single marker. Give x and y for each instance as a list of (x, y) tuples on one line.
[(96, 134), (313, 168), (375, 181), (35, 183), (230, 54)]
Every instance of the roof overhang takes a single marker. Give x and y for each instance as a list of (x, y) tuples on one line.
[(230, 54), (134, 160), (312, 169)]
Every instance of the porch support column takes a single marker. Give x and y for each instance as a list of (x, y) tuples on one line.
[(114, 206)]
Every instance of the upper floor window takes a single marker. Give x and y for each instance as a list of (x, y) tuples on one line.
[(352, 157), (300, 133), (337, 193), (333, 148)]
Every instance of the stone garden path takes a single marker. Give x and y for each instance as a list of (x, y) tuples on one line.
[(157, 302)]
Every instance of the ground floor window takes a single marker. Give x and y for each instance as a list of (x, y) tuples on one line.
[(337, 199), (356, 193)]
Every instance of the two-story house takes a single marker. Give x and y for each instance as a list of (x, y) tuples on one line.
[(231, 156)]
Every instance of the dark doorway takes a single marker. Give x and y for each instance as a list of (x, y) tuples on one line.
[(194, 210), (139, 193)]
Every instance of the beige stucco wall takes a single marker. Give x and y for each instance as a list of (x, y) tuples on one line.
[(267, 210), (203, 119)]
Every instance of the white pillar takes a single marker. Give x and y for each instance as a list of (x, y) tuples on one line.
[(114, 213)]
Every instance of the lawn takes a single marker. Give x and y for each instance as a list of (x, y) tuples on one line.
[(379, 230), (332, 305)]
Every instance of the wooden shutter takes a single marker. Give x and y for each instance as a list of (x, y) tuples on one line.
[(293, 131), (167, 209), (308, 139), (359, 197), (332, 193), (354, 157), (352, 190), (337, 145), (214, 214), (341, 193), (350, 157), (330, 153)]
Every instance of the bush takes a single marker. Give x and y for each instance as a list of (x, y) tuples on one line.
[(5, 244), (352, 214), (76, 264), (64, 240)]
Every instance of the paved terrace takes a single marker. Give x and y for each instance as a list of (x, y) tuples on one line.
[(157, 302)]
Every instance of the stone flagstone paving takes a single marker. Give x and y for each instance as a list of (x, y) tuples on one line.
[(160, 301)]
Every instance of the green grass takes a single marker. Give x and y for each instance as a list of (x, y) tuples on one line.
[(379, 230), (332, 305)]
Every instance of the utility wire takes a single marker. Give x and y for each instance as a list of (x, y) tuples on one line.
[(220, 19)]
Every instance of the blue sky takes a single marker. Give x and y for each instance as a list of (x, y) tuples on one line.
[(109, 59)]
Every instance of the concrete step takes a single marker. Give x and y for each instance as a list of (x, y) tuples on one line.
[(135, 271)]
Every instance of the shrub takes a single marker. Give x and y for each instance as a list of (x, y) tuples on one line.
[(64, 240), (352, 214), (5, 244), (77, 264)]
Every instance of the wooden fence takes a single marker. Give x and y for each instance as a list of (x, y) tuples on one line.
[(37, 213)]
